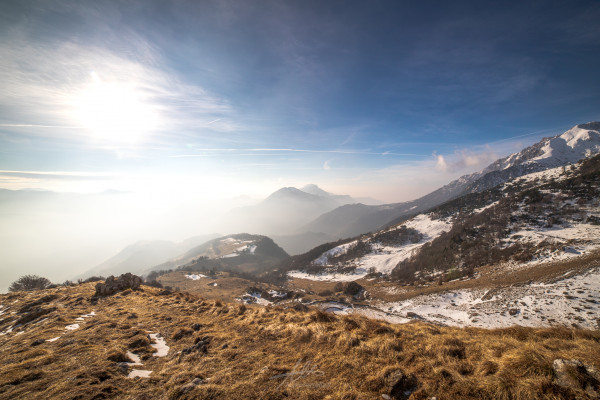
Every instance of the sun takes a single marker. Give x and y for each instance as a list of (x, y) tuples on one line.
[(115, 112)]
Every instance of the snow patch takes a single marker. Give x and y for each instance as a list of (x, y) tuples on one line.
[(72, 327), (161, 346), (139, 373), (136, 360), (564, 302), (195, 277), (333, 277), (255, 297), (336, 251), (230, 255)]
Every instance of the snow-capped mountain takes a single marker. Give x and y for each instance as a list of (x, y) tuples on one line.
[(577, 143)]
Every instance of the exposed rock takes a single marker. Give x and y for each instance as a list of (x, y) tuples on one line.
[(300, 307), (113, 285), (398, 385), (513, 311), (38, 342), (201, 346), (196, 326), (573, 374), (352, 288), (413, 315)]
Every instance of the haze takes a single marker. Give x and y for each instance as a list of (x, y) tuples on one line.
[(144, 120)]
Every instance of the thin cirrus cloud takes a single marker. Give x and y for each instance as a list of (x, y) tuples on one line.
[(70, 175), (262, 151)]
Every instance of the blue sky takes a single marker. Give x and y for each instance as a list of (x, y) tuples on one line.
[(233, 97)]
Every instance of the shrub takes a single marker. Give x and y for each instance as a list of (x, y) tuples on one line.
[(29, 282)]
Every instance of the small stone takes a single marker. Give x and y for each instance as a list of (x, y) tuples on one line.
[(399, 385), (352, 288), (123, 367), (411, 314)]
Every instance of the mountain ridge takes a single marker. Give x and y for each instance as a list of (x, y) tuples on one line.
[(581, 141)]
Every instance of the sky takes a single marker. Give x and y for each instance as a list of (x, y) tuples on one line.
[(176, 102)]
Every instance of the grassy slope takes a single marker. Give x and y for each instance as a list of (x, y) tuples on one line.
[(250, 347)]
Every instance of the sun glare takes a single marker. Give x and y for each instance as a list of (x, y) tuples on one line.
[(115, 112)]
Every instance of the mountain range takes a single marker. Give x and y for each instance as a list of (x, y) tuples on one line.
[(573, 145), (284, 214)]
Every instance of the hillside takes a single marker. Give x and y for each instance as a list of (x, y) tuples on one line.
[(542, 216), (150, 344), (241, 252)]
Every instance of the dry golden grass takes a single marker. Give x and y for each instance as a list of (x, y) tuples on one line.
[(253, 352)]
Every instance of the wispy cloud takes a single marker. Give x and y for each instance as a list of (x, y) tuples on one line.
[(40, 126), (261, 151)]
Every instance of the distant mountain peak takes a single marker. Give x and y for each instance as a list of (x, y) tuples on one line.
[(311, 188), (287, 192)]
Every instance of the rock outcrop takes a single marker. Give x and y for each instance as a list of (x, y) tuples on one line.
[(113, 285)]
